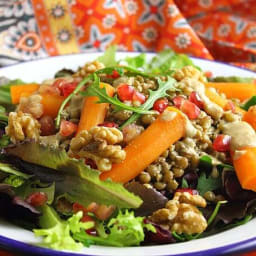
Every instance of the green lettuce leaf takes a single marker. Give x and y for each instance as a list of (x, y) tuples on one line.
[(10, 169), (109, 56), (249, 103), (233, 79), (123, 230), (138, 61), (14, 180), (161, 92), (57, 233), (76, 178)]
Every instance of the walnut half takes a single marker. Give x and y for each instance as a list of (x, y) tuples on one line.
[(22, 125), (98, 144), (182, 215)]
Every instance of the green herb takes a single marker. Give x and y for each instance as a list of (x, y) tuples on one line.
[(246, 219), (207, 162), (233, 79), (166, 60), (65, 102), (124, 230), (249, 103), (215, 212), (207, 184), (4, 141), (138, 61), (109, 56), (58, 233), (95, 90), (184, 183), (76, 178), (14, 180), (161, 92)]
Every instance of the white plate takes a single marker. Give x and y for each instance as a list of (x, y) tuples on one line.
[(238, 239)]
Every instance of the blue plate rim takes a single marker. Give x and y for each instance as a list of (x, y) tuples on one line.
[(21, 247)]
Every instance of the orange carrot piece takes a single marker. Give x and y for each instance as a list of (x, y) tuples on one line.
[(220, 101), (17, 91), (94, 113), (51, 104), (241, 91), (250, 116), (245, 167), (168, 128)]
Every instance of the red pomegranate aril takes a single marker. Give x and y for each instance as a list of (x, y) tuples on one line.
[(125, 92), (230, 106), (115, 74), (188, 190), (109, 124), (67, 128), (160, 105), (37, 199), (178, 100), (86, 218), (68, 88), (190, 109), (47, 126), (221, 143), (137, 96), (91, 163), (58, 83), (195, 98)]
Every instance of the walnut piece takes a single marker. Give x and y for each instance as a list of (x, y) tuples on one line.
[(98, 144), (89, 68), (22, 125), (31, 105), (182, 215), (189, 72)]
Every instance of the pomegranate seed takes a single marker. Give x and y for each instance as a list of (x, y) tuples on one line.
[(109, 124), (208, 74), (137, 96), (230, 106), (125, 92), (196, 99), (221, 143), (58, 83), (91, 163), (86, 218), (160, 105), (68, 88), (190, 109), (189, 190), (37, 199), (177, 101), (67, 128)]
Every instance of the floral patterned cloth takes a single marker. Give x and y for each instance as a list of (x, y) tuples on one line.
[(220, 29)]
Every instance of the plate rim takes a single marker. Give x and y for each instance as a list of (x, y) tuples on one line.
[(15, 245)]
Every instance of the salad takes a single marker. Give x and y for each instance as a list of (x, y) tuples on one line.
[(129, 152)]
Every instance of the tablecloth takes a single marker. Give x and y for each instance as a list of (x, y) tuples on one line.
[(223, 30)]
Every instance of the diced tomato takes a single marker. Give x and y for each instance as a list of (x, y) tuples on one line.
[(109, 124), (160, 105), (189, 190), (125, 92), (37, 199), (190, 109), (67, 128), (230, 106), (137, 96), (222, 143), (208, 74), (178, 100), (195, 98)]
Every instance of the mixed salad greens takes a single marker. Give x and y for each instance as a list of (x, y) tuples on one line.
[(70, 198)]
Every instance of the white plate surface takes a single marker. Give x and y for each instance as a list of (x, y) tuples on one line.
[(237, 239)]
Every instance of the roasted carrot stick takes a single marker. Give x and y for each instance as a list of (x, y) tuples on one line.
[(250, 116), (17, 91), (241, 91), (168, 128), (94, 113), (217, 99), (245, 167), (51, 104)]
